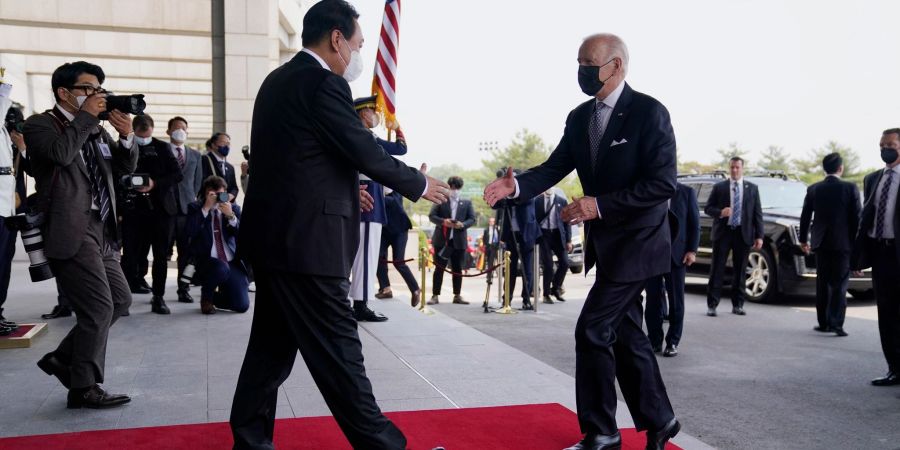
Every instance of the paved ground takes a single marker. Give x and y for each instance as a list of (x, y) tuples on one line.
[(765, 380)]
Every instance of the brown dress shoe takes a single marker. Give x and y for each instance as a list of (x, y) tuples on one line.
[(414, 301), (384, 294), (459, 300), (435, 299), (207, 307)]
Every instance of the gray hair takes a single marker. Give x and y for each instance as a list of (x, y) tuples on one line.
[(612, 47)]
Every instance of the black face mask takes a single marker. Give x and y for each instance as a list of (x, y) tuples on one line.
[(888, 155), (589, 79)]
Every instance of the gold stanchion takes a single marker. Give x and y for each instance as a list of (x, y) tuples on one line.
[(423, 261), (506, 309)]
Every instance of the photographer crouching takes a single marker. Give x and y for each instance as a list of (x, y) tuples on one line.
[(75, 163), (212, 226)]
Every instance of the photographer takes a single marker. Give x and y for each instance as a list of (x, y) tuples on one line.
[(212, 226), (215, 163), (149, 216), (9, 135), (75, 163), (451, 219)]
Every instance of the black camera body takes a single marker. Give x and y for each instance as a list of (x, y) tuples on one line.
[(245, 150), (133, 181), (14, 120), (29, 225), (128, 104), (222, 197)]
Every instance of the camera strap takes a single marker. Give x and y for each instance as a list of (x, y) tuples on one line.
[(43, 203)]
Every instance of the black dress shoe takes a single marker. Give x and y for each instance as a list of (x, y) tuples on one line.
[(367, 315), (5, 331), (51, 365), (138, 289), (548, 300), (738, 311), (671, 350), (58, 311), (558, 295), (143, 283), (95, 397), (158, 305), (891, 379), (527, 306), (656, 440), (822, 329), (711, 312), (839, 331), (414, 299), (656, 347), (184, 297), (599, 442)]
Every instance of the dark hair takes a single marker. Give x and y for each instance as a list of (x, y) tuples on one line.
[(736, 158), (214, 138), (832, 162), (212, 183), (66, 75), (142, 122), (455, 182), (892, 131), (325, 17), (175, 119)]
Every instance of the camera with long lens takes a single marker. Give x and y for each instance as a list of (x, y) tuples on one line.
[(245, 150), (128, 104), (29, 224)]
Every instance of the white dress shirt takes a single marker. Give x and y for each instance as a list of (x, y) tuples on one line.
[(233, 222), (889, 208)]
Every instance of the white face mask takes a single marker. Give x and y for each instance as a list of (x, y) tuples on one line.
[(179, 135), (79, 99), (355, 67), (454, 194), (143, 140)]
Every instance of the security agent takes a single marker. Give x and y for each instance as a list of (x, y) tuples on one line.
[(150, 209), (76, 163), (556, 240), (519, 232), (212, 228), (451, 220), (215, 162)]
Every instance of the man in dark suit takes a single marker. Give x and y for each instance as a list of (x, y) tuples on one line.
[(218, 147), (685, 240), (189, 160), (212, 227), (451, 220), (876, 247), (736, 210), (76, 164), (148, 219), (394, 235), (556, 239), (490, 240), (300, 231), (519, 233), (833, 206), (622, 145)]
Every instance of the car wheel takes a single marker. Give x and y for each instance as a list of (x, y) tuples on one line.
[(760, 276), (862, 295)]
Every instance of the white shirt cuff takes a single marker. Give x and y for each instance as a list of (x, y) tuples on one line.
[(426, 188), (597, 202), (129, 142), (516, 193), (233, 221)]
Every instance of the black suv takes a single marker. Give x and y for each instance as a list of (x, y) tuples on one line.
[(779, 267)]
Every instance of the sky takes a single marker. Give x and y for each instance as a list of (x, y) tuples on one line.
[(795, 74)]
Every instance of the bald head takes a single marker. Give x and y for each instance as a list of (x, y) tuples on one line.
[(610, 53)]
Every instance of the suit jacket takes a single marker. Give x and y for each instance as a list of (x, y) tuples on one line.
[(686, 237), (751, 211), (465, 213), (209, 163), (485, 237), (861, 256), (634, 176), (397, 220), (70, 201), (378, 214), (540, 213), (302, 215), (192, 178), (525, 218), (199, 231), (157, 161), (836, 206)]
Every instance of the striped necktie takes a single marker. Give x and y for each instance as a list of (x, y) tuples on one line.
[(99, 191), (736, 208), (595, 132), (882, 204)]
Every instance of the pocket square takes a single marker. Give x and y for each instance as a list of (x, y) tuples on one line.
[(615, 142)]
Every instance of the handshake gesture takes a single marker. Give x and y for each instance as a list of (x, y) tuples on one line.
[(580, 210), (437, 192)]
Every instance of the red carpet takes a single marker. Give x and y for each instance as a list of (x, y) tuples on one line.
[(526, 427)]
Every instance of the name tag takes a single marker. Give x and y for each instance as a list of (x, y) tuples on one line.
[(104, 150)]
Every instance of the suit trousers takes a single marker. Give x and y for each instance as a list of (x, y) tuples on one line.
[(225, 284), (397, 242), (552, 244), (665, 290), (491, 253), (98, 294), (732, 241), (610, 344), (526, 254), (442, 256), (7, 252), (183, 246), (365, 264), (832, 275), (886, 280), (143, 230), (310, 314)]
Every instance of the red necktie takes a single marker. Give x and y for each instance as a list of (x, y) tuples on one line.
[(217, 236), (180, 157)]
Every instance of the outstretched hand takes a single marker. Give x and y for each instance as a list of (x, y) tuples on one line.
[(500, 188), (438, 191), (366, 202)]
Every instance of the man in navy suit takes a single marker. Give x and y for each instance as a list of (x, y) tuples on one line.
[(519, 232), (736, 210), (685, 240), (394, 235), (556, 239), (212, 228), (451, 220), (622, 145)]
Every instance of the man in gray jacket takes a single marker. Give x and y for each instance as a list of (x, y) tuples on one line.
[(189, 161)]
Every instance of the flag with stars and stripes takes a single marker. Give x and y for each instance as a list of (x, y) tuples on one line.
[(384, 86)]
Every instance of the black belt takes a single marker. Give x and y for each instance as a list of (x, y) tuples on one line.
[(6, 170)]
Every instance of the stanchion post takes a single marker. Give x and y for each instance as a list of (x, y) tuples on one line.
[(535, 277), (506, 308), (423, 257)]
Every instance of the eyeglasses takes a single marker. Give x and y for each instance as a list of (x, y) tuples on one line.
[(89, 89)]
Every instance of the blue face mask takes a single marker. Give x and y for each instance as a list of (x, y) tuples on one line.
[(223, 150)]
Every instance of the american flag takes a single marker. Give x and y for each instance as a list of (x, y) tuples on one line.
[(384, 86)]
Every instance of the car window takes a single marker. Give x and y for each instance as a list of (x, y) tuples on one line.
[(703, 191)]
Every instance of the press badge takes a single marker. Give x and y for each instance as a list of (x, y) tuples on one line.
[(104, 150)]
